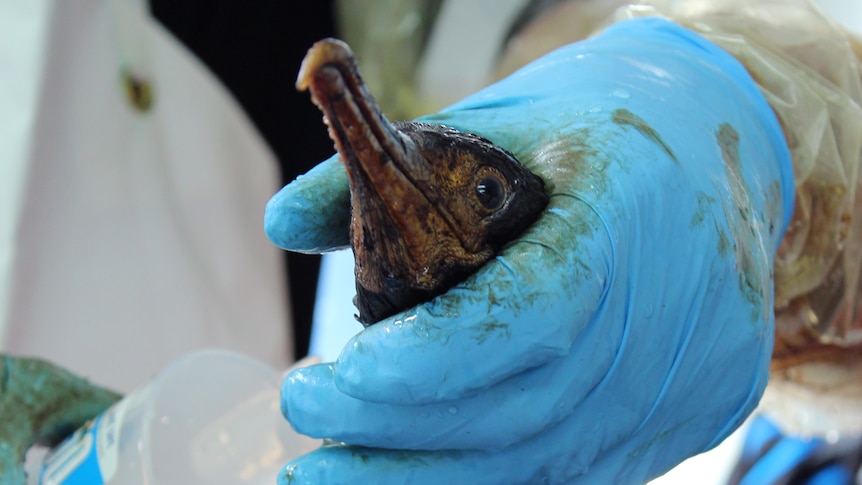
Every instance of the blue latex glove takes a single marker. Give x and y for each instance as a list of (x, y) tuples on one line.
[(629, 328)]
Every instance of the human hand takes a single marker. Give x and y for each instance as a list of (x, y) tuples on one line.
[(628, 329), (41, 404)]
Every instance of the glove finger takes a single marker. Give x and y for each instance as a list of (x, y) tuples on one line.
[(338, 464), (312, 213), (494, 418), (522, 309)]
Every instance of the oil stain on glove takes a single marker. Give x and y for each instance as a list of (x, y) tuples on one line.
[(430, 204)]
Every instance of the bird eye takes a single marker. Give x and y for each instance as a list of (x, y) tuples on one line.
[(491, 192)]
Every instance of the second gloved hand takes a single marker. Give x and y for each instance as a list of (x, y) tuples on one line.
[(41, 404), (628, 329)]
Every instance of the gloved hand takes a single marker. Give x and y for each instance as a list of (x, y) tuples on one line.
[(41, 403), (629, 328)]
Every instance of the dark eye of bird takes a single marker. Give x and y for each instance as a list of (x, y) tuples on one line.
[(491, 192)]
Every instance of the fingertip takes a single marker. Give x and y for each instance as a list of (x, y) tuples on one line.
[(286, 385), (293, 474), (337, 464), (377, 354), (303, 401), (312, 213), (276, 219), (330, 464)]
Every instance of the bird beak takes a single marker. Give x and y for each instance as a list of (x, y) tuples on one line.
[(384, 165), (361, 133)]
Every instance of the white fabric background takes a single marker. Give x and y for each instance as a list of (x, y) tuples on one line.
[(127, 238)]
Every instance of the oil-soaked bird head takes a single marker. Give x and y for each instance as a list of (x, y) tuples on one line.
[(429, 204)]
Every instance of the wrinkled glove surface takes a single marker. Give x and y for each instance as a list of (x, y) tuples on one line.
[(629, 328)]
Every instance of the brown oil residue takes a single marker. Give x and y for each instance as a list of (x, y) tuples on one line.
[(746, 230), (623, 116)]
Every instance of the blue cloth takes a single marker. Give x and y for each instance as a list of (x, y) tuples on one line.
[(629, 328), (770, 457)]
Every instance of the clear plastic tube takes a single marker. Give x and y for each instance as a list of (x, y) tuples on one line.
[(211, 417)]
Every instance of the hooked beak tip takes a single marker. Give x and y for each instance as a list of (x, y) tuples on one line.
[(322, 53)]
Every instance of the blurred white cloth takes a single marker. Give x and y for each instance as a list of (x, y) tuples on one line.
[(127, 237)]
